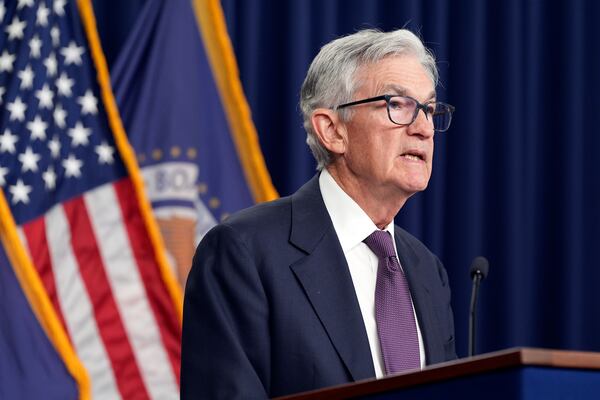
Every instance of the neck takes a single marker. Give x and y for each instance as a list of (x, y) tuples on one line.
[(379, 204)]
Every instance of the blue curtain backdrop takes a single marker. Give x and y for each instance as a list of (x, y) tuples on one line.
[(516, 178)]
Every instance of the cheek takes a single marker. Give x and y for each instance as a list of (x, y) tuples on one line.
[(362, 147), (383, 157), (364, 157)]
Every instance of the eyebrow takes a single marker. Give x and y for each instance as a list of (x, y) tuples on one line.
[(402, 91)]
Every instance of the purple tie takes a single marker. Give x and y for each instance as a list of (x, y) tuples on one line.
[(394, 315)]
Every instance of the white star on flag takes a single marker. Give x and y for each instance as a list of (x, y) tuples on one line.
[(37, 128), (59, 115), (35, 47), (59, 7), (17, 110), (88, 102), (3, 173), (105, 153), (7, 142), (72, 53), (41, 16), (49, 177), (64, 85), (79, 135), (72, 166), (20, 192), (6, 61), (29, 160), (15, 29), (51, 64), (2, 11), (23, 3), (54, 146), (45, 95), (55, 34), (26, 76)]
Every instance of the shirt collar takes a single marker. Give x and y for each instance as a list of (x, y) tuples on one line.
[(352, 225)]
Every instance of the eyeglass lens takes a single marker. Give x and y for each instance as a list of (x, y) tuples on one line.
[(403, 112)]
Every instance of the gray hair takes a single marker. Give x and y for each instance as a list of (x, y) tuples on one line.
[(330, 80)]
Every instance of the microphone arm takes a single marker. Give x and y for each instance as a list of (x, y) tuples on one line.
[(479, 270), (476, 281)]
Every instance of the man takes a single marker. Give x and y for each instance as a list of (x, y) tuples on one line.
[(311, 290)]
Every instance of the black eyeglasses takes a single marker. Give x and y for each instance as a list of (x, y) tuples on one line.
[(403, 110)]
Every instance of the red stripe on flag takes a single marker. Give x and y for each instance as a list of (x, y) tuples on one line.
[(35, 233), (156, 290), (110, 325)]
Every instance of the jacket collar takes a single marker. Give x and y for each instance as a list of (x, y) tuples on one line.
[(325, 277)]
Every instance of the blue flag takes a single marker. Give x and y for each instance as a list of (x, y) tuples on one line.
[(198, 157), (30, 367)]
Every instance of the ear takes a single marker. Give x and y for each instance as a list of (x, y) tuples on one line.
[(330, 130)]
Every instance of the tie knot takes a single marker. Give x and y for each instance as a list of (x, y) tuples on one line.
[(380, 243)]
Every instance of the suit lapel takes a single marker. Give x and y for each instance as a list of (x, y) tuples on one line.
[(421, 296), (325, 277)]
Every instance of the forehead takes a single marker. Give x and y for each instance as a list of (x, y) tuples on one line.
[(403, 75)]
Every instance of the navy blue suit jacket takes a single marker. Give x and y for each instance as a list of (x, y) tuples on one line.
[(270, 308)]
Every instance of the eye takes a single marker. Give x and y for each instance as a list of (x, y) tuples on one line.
[(431, 108), (400, 103)]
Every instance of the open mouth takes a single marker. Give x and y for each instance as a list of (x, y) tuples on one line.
[(414, 155)]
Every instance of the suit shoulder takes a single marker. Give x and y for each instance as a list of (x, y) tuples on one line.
[(268, 217)]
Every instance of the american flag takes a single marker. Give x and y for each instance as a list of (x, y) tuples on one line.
[(76, 207)]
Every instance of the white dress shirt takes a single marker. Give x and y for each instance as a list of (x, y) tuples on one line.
[(352, 225)]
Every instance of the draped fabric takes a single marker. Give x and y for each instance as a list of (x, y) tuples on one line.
[(516, 178), (198, 166), (30, 367), (77, 232)]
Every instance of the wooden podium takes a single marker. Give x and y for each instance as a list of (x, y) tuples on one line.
[(509, 374)]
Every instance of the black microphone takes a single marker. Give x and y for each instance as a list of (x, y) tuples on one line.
[(479, 270)]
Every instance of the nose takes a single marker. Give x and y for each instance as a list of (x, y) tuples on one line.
[(422, 126)]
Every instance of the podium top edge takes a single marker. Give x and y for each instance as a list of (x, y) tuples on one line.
[(525, 356), (503, 359)]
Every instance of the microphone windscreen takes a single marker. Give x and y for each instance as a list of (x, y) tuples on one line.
[(480, 264)]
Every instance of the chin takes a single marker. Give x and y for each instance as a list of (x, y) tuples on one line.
[(414, 185), (417, 189), (412, 180)]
